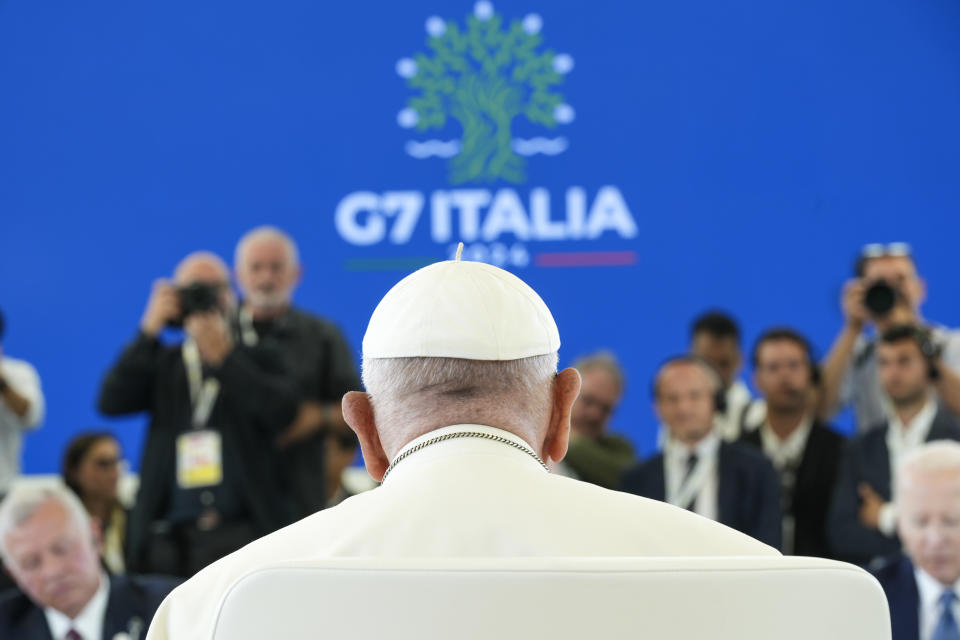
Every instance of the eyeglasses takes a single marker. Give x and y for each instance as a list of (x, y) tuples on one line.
[(105, 463), (891, 250)]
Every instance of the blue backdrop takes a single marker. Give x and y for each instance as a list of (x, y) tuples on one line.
[(634, 162)]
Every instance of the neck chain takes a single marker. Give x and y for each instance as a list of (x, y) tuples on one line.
[(461, 434)]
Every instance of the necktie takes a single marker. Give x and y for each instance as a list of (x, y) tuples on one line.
[(946, 628), (691, 465), (73, 635)]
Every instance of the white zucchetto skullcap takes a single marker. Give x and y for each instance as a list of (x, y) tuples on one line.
[(456, 309)]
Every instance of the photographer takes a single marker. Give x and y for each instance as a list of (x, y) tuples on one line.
[(21, 409), (209, 483), (886, 292)]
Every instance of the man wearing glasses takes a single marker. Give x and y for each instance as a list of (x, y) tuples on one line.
[(887, 291)]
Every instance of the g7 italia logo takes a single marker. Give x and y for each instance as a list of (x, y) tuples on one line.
[(476, 84), (483, 77)]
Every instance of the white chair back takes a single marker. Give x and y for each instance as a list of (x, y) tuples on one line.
[(556, 598)]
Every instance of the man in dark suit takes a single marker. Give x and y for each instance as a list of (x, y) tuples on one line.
[(727, 482), (863, 519), (804, 451), (922, 586), (49, 546)]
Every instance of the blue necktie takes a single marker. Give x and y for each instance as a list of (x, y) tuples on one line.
[(947, 628)]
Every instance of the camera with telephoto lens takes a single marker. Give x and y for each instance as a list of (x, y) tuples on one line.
[(196, 297), (880, 298)]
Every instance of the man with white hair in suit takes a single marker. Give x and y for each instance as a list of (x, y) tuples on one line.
[(923, 585), (463, 409), (48, 544)]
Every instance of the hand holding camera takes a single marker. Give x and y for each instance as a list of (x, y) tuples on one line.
[(163, 308), (875, 301), (854, 311)]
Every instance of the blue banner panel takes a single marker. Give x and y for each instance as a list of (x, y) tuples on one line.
[(635, 162)]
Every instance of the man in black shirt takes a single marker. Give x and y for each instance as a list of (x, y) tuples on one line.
[(268, 270), (209, 479)]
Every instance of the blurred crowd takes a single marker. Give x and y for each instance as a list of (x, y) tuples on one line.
[(246, 433)]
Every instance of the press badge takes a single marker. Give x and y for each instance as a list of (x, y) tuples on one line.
[(199, 459)]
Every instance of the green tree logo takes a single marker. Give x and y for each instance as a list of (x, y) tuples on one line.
[(484, 77)]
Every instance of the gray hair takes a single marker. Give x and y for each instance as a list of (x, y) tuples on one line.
[(23, 501), (403, 387), (203, 256), (605, 360), (266, 232), (932, 457)]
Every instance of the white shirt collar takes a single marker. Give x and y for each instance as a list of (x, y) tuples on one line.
[(904, 437), (89, 622), (706, 449), (930, 589), (455, 446), (783, 452)]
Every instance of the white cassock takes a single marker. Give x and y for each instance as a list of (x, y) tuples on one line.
[(463, 497)]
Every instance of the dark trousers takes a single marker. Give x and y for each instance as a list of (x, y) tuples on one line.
[(183, 550)]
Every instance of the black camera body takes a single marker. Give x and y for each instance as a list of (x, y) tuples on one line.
[(196, 297), (880, 298)]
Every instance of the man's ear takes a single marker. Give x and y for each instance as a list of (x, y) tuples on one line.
[(358, 414), (566, 388)]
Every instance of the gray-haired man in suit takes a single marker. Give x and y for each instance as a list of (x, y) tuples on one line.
[(48, 544)]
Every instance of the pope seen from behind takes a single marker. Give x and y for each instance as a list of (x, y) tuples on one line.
[(463, 410)]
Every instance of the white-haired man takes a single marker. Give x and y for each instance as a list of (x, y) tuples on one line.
[(463, 409), (923, 585), (47, 541), (210, 480), (267, 267)]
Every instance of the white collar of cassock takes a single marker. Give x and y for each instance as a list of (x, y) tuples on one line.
[(89, 622), (460, 446)]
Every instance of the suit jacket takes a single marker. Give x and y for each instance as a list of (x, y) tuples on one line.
[(130, 607), (867, 459), (899, 582), (813, 488), (748, 489), (462, 497)]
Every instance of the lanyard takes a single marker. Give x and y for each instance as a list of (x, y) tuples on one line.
[(203, 393), (683, 493), (247, 333)]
